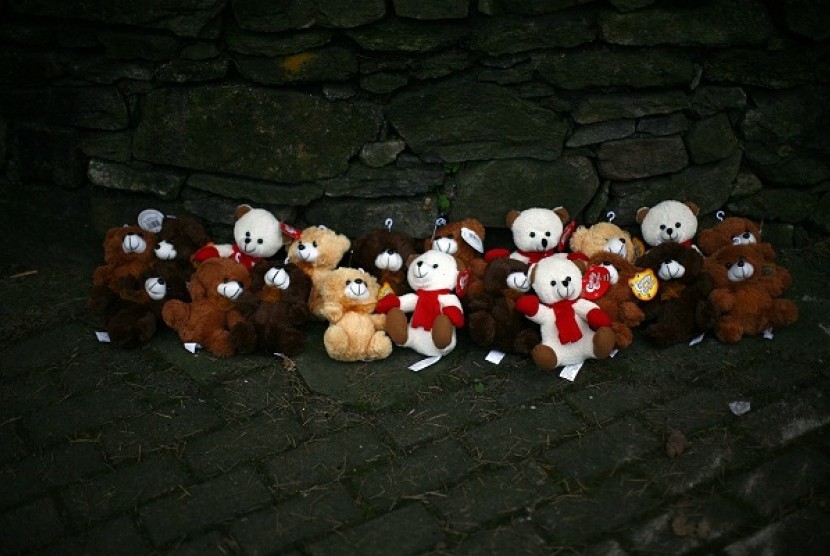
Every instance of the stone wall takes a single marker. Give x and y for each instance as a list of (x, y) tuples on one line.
[(346, 112)]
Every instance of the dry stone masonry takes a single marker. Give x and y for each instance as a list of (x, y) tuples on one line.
[(346, 112)]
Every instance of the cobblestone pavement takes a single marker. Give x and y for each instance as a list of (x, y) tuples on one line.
[(157, 450)]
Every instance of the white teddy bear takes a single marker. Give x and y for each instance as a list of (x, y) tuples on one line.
[(257, 236), (572, 329), (668, 222), (436, 310)]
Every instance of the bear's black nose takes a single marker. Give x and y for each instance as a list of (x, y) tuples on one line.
[(161, 282), (301, 246), (544, 242), (420, 263), (567, 280), (741, 261), (670, 231)]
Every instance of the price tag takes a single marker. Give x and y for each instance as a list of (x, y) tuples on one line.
[(424, 363)]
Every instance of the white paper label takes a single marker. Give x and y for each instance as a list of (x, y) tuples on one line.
[(424, 363), (192, 346), (472, 239), (103, 337), (495, 356), (768, 334), (614, 353), (739, 407), (570, 371), (696, 340), (150, 220)]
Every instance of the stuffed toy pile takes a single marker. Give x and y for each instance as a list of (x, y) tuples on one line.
[(560, 294)]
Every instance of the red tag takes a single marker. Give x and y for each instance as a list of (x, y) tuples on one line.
[(595, 282), (463, 282), (567, 232), (290, 231)]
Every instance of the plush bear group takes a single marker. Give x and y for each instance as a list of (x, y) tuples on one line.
[(560, 295)]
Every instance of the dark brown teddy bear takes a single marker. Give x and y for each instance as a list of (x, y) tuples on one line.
[(464, 240), (277, 306), (672, 315), (383, 253), (494, 322), (212, 318), (744, 300), (128, 253), (619, 300)]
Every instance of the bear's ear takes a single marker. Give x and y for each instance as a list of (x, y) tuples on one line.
[(511, 217), (641, 214), (692, 207), (531, 276), (581, 264), (241, 211), (562, 213)]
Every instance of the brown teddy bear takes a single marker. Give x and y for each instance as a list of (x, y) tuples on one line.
[(733, 230), (212, 318), (619, 300), (494, 322), (464, 240), (355, 333), (673, 314), (128, 253), (316, 252), (383, 254), (744, 300), (277, 306), (606, 237)]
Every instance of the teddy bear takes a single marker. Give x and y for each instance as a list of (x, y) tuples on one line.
[(130, 322), (573, 329), (745, 300), (733, 230), (128, 253), (537, 234), (436, 310), (212, 318), (383, 254), (355, 332), (668, 221), (673, 314), (606, 237), (464, 240), (619, 300), (257, 235), (493, 321), (276, 305), (317, 251)]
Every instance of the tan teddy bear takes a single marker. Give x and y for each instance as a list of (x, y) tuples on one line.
[(606, 237), (349, 297), (317, 252)]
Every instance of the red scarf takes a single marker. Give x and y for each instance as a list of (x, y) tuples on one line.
[(566, 324), (536, 256), (427, 308), (244, 258)]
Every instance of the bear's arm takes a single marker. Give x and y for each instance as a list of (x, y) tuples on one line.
[(378, 321), (332, 311), (408, 302), (722, 299)]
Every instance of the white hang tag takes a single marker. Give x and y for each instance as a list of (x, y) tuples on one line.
[(570, 371), (614, 352), (424, 363), (768, 334), (494, 356), (150, 220), (472, 239), (103, 337), (192, 346), (739, 407), (696, 340)]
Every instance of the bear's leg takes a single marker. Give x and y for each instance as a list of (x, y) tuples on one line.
[(525, 341), (442, 331), (622, 335), (243, 337), (729, 330), (336, 342), (219, 343), (380, 346), (397, 326), (482, 328), (175, 314), (544, 357), (604, 340), (291, 341), (784, 312)]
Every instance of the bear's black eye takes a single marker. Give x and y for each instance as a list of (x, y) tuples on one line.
[(435, 266), (677, 224), (547, 234), (348, 282), (314, 244), (260, 241), (662, 226), (532, 234), (247, 234), (553, 282), (728, 266)]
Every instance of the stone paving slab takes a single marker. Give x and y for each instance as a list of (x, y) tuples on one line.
[(158, 450)]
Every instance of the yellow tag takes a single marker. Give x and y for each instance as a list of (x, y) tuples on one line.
[(644, 285), (385, 290)]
